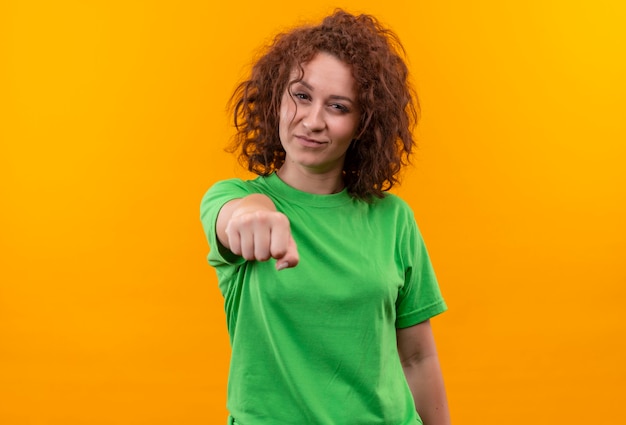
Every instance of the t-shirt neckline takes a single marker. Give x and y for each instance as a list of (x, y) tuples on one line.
[(283, 190)]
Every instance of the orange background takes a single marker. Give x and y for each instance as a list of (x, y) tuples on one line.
[(113, 125)]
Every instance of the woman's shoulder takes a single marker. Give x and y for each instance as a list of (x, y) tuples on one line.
[(391, 208), (235, 183), (393, 202), (231, 188)]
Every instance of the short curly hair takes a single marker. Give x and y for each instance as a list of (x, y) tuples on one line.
[(388, 104)]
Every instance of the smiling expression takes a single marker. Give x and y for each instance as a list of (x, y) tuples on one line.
[(319, 117)]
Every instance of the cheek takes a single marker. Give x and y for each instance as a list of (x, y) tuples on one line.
[(347, 129), (284, 114), (283, 125), (287, 117)]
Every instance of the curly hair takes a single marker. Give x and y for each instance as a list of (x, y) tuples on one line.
[(388, 104)]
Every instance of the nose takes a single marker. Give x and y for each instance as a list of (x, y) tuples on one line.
[(314, 118)]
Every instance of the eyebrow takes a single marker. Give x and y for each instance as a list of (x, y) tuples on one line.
[(334, 96)]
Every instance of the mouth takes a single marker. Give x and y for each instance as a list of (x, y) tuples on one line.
[(310, 142)]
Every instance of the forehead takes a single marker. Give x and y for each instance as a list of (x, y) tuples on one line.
[(325, 72)]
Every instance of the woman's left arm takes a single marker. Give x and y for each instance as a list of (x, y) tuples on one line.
[(418, 354)]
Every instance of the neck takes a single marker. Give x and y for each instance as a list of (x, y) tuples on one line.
[(320, 184)]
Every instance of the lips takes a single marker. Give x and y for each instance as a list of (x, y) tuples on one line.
[(305, 141)]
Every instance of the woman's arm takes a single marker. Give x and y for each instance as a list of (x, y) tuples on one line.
[(418, 354), (251, 227)]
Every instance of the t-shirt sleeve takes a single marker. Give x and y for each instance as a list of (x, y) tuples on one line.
[(212, 202), (420, 298)]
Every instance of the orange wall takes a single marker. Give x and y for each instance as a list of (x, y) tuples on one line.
[(112, 126)]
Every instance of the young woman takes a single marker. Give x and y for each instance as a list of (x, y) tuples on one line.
[(327, 283)]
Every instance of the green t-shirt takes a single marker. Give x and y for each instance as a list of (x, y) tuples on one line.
[(316, 344)]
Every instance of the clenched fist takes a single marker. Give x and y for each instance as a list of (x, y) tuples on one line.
[(251, 227)]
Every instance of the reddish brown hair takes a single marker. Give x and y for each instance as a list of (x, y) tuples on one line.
[(388, 105)]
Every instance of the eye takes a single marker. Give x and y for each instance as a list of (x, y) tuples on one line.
[(301, 96), (340, 108)]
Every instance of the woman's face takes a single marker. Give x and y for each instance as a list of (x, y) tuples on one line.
[(319, 116)]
